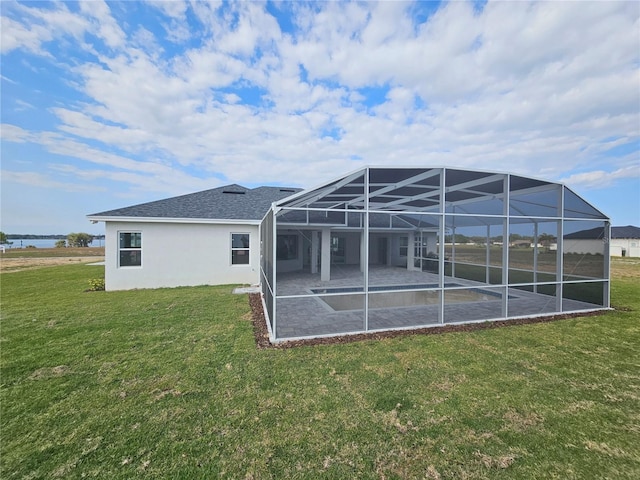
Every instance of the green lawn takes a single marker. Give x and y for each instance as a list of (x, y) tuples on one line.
[(168, 383)]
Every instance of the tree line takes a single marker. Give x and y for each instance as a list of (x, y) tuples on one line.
[(72, 239), (75, 240), (543, 238)]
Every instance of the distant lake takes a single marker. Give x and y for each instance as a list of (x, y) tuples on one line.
[(44, 242)]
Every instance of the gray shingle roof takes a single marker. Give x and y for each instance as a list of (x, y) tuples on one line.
[(597, 233), (590, 234), (231, 202), (625, 232)]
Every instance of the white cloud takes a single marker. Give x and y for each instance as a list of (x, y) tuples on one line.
[(14, 133), (149, 175), (175, 9), (39, 26), (21, 105), (16, 35), (255, 28), (602, 178), (35, 179), (103, 23), (159, 183)]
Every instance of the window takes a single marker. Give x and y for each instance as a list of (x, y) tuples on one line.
[(130, 249), (404, 245), (239, 249), (287, 248)]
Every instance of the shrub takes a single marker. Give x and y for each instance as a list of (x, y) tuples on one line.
[(79, 239), (61, 244), (96, 285)]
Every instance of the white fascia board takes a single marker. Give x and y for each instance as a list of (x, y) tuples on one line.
[(211, 221)]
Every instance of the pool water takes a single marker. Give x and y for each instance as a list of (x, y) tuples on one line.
[(407, 299), (378, 288)]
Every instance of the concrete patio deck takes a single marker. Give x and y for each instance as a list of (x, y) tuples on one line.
[(300, 316)]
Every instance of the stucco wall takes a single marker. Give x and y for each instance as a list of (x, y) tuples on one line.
[(180, 255), (394, 247), (631, 247), (584, 246), (294, 264)]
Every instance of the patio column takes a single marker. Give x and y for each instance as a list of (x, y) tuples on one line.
[(315, 244), (487, 261), (453, 249), (535, 257), (560, 252), (363, 251), (325, 261)]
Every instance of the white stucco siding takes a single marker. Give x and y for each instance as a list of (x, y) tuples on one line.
[(179, 254), (352, 248), (615, 250), (394, 250), (583, 246), (293, 264), (630, 246)]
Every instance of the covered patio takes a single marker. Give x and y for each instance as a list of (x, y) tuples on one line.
[(389, 248)]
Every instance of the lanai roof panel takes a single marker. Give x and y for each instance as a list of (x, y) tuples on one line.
[(400, 189)]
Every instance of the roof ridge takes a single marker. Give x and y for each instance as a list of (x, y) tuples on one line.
[(214, 203)]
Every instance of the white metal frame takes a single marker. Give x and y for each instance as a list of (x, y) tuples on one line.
[(383, 200)]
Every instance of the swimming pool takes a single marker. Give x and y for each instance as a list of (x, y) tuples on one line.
[(381, 288), (352, 298)]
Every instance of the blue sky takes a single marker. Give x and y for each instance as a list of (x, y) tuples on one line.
[(111, 104)]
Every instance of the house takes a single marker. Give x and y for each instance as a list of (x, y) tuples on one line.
[(585, 242), (204, 238), (366, 251), (520, 244), (625, 241)]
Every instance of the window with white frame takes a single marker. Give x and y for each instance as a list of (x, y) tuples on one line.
[(240, 248), (130, 249)]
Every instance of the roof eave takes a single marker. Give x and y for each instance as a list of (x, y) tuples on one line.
[(211, 221)]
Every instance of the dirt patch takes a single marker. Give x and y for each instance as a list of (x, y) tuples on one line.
[(260, 330), (18, 264), (262, 333), (605, 449), (501, 462), (49, 372), (520, 422)]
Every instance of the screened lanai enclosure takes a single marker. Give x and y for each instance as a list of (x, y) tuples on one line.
[(401, 248)]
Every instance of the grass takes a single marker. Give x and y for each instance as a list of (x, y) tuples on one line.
[(522, 258), (168, 383), (53, 252)]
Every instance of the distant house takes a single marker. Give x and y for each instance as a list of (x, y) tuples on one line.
[(589, 241), (521, 244), (625, 241)]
